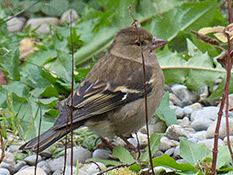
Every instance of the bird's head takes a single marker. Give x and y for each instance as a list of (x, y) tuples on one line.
[(129, 41)]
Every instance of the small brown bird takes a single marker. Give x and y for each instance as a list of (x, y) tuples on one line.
[(110, 101)]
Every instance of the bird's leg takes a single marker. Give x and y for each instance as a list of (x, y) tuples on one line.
[(106, 143), (128, 145)]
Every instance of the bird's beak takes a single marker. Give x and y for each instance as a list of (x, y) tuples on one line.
[(157, 42)]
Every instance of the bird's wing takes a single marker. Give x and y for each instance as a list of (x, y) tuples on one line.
[(95, 98)]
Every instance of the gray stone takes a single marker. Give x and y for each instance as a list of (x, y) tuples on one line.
[(46, 154), (45, 166), (101, 154), (209, 143), (185, 121), (93, 167), (19, 165), (170, 151), (43, 23), (79, 154), (187, 97), (188, 110), (30, 171), (31, 160), (133, 141), (175, 131), (4, 171), (176, 101), (66, 17), (8, 158), (13, 148), (176, 153), (56, 164), (179, 112), (15, 24), (166, 143), (202, 119), (231, 139), (222, 129), (201, 135), (159, 127)]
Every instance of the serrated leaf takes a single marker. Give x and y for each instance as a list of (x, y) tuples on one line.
[(122, 154), (193, 153)]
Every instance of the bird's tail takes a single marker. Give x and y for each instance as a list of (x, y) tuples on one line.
[(46, 139)]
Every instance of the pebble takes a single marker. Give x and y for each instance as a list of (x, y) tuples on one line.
[(31, 160), (101, 154), (175, 131), (79, 154), (210, 143), (176, 153), (66, 17), (30, 171), (225, 139), (222, 129), (45, 166), (166, 143), (19, 165), (4, 171), (169, 151), (203, 118), (43, 24), (15, 24), (93, 167), (200, 135), (56, 164)]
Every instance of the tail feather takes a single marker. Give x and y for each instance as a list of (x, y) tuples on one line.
[(46, 139)]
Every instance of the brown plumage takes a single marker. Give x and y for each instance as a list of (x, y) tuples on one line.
[(110, 101)]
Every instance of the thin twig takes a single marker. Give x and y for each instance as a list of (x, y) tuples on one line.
[(145, 92), (38, 140), (66, 138), (2, 146), (72, 91)]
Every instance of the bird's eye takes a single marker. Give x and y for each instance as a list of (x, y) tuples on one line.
[(138, 43), (143, 43)]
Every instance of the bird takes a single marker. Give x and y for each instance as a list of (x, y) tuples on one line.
[(110, 100)]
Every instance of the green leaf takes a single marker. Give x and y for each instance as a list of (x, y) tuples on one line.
[(11, 65), (165, 113), (193, 153), (61, 66), (106, 162), (154, 144), (166, 161), (189, 16), (50, 91), (122, 154), (197, 71), (55, 7), (224, 156)]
